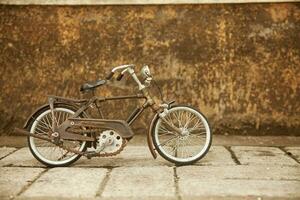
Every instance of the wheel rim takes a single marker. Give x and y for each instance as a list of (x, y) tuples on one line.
[(194, 139), (46, 151)]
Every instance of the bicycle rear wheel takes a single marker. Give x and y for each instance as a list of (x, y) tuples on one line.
[(47, 152)]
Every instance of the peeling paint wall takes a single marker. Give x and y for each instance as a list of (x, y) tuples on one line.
[(238, 63)]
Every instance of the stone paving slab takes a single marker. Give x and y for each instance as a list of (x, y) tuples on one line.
[(22, 158), (140, 156), (262, 156), (217, 155), (14, 179), (140, 183), (243, 172), (215, 182), (207, 189), (131, 156), (265, 172), (67, 183), (295, 151), (4, 151)]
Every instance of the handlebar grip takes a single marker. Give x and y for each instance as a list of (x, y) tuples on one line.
[(110, 75), (120, 76)]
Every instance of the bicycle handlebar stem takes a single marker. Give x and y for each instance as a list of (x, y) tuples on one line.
[(133, 75), (130, 70), (121, 67)]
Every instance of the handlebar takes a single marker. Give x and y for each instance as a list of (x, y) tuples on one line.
[(122, 67), (125, 68), (120, 76), (110, 75)]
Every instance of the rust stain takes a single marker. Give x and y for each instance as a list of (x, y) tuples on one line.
[(279, 12), (238, 63)]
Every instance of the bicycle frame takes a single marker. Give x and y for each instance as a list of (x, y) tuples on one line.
[(119, 125), (87, 103)]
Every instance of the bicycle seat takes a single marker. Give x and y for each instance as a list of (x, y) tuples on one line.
[(91, 85)]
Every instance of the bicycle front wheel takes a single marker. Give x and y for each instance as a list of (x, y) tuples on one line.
[(191, 144)]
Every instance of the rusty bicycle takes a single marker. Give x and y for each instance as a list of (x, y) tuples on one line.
[(60, 132)]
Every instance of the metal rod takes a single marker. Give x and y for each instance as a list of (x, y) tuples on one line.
[(136, 115), (124, 97), (132, 115), (27, 133), (68, 99)]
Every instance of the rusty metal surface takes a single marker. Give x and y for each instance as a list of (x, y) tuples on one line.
[(27, 133), (239, 64), (149, 137), (86, 153), (119, 126)]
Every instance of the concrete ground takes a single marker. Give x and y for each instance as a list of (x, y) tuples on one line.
[(245, 168)]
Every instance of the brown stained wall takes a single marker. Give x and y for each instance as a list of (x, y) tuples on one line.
[(238, 63)]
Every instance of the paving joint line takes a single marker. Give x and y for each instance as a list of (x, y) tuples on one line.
[(289, 154), (104, 182), (263, 179), (176, 179), (31, 182), (233, 156), (24, 166), (99, 167), (91, 167), (9, 154)]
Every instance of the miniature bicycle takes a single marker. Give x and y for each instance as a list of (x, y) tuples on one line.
[(60, 132)]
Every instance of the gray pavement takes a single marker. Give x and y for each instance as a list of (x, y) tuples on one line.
[(227, 172)]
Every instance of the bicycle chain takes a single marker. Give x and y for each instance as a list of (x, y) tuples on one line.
[(124, 142)]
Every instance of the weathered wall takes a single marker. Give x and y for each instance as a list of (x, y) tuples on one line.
[(238, 63)]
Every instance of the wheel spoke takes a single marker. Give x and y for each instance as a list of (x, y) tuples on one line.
[(48, 121), (197, 136), (42, 123), (40, 131), (188, 144), (167, 141), (48, 151), (59, 113)]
